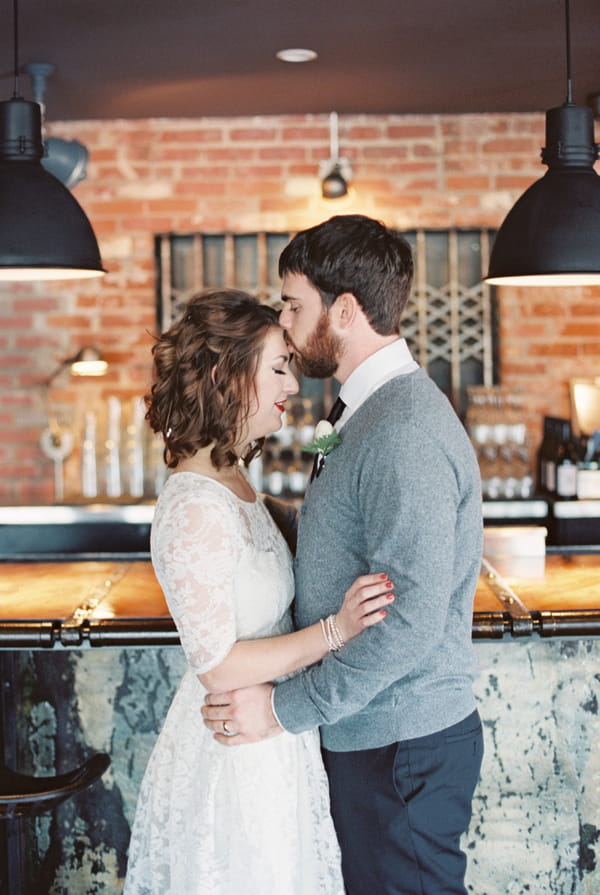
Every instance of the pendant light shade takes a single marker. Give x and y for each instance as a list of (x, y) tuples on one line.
[(551, 237), (44, 232), (552, 234)]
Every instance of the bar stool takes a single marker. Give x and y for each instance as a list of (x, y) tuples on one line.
[(23, 796)]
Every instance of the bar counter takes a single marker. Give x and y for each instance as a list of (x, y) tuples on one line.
[(119, 603), (90, 661)]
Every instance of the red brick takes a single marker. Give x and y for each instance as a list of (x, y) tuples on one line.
[(411, 131), (66, 323), (585, 310), (300, 134), (194, 135), (114, 208), (402, 168), (506, 146), (16, 323), (204, 172), (520, 184), (361, 133), (466, 148), (568, 330), (252, 134), (547, 309), (225, 153), (387, 152), (424, 150), (467, 182), (282, 153), (177, 155), (546, 349), (32, 304), (194, 188)]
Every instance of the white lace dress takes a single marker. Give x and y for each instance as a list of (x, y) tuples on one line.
[(213, 820)]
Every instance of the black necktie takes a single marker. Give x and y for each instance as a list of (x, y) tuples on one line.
[(334, 415), (336, 411)]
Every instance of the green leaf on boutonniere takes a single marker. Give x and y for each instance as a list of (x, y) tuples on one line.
[(325, 440)]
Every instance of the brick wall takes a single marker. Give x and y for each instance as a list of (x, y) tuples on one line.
[(245, 174)]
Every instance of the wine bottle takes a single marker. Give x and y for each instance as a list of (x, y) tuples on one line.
[(567, 459), (547, 456)]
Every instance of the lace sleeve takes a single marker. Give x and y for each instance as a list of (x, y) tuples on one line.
[(195, 549)]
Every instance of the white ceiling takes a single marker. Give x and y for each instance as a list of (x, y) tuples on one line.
[(181, 58)]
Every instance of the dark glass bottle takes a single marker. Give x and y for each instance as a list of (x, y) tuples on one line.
[(567, 459), (547, 457)]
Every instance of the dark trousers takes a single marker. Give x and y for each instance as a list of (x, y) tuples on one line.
[(400, 810)]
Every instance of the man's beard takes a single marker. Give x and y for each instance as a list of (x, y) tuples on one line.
[(319, 357)]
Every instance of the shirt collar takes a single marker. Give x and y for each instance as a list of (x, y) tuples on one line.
[(393, 360)]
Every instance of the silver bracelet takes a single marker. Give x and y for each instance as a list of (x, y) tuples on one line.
[(331, 634), (335, 631), (324, 630)]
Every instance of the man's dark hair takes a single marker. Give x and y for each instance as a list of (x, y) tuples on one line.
[(354, 253)]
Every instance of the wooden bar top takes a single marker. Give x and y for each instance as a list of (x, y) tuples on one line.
[(56, 590), (571, 581), (97, 603)]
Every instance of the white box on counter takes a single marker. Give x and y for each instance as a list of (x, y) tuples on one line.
[(519, 551)]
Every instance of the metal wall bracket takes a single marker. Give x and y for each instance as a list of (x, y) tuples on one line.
[(521, 619)]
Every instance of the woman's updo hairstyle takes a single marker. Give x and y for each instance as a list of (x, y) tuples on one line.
[(204, 370)]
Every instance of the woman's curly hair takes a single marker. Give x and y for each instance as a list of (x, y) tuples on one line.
[(204, 371)]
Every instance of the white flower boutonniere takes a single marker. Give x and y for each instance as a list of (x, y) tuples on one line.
[(325, 439)]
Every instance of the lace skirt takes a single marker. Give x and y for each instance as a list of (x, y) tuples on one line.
[(244, 820)]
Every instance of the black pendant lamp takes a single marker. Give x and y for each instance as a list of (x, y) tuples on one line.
[(551, 237), (44, 232)]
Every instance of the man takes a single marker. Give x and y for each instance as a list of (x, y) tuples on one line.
[(401, 494)]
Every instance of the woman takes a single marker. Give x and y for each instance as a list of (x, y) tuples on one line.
[(252, 820)]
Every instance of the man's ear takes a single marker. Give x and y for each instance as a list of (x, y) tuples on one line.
[(344, 310)]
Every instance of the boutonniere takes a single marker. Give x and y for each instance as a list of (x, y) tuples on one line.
[(325, 439)]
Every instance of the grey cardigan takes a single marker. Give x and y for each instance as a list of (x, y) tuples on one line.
[(401, 494)]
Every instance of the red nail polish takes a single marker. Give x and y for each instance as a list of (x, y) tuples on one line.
[(383, 576), (389, 584), (389, 596)]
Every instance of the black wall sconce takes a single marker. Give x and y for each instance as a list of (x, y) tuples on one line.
[(336, 172)]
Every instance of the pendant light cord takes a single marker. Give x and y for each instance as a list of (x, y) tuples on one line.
[(568, 39), (334, 148), (17, 93)]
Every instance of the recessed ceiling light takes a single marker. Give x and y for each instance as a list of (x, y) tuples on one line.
[(296, 54)]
